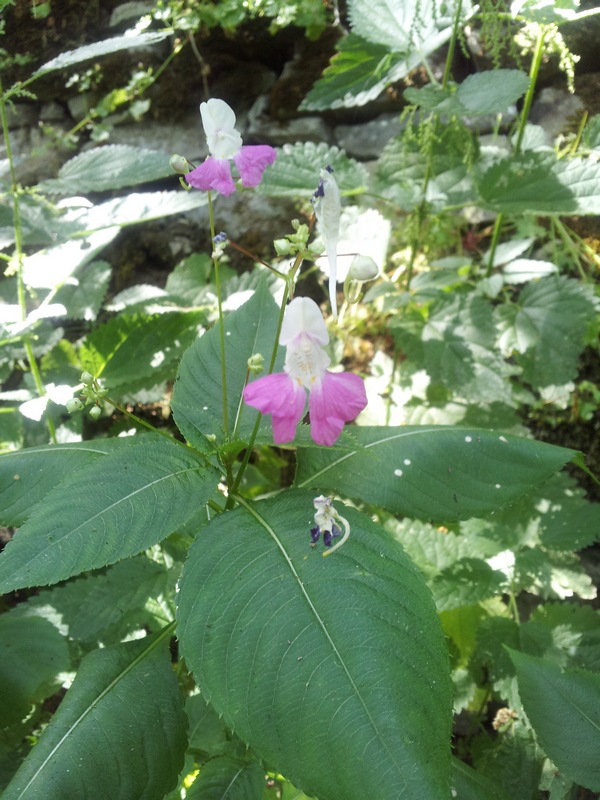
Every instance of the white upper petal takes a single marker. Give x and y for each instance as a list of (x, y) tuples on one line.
[(218, 121), (303, 316)]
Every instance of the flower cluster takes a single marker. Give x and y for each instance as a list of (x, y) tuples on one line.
[(334, 398), (225, 145)]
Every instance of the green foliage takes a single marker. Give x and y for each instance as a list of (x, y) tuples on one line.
[(263, 635), (564, 711), (131, 691), (435, 473), (467, 561)]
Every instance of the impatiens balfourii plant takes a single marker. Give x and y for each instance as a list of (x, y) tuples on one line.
[(202, 543)]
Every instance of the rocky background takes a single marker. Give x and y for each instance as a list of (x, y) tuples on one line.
[(262, 75)]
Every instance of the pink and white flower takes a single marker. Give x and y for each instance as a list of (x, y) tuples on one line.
[(225, 145), (334, 398)]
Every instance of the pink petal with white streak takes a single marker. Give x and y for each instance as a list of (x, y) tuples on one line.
[(281, 396)]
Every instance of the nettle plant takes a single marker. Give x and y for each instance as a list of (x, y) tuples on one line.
[(173, 578)]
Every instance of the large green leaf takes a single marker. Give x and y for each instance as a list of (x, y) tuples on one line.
[(197, 397), (431, 472), (32, 654), (110, 167), (308, 656), (538, 183), (564, 709), (119, 733), (112, 508), (26, 476), (102, 48)]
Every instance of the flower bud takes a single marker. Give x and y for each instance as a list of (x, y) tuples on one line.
[(282, 247), (74, 404), (86, 378), (95, 412), (179, 164), (256, 363), (363, 268)]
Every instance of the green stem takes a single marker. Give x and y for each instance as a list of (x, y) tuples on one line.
[(286, 294), (215, 260), (18, 259), (533, 76), (422, 208)]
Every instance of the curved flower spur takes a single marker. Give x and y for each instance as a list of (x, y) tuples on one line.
[(334, 398), (225, 145)]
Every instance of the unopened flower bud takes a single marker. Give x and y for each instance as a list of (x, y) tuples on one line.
[(256, 363), (74, 404), (179, 164), (363, 268), (86, 378), (282, 247), (95, 412)]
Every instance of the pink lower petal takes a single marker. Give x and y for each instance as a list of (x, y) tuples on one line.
[(214, 173), (251, 162), (281, 396), (335, 399)]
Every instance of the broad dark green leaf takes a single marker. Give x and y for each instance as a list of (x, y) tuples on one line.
[(119, 733), (100, 606), (98, 49), (308, 656), (26, 476), (197, 397), (431, 472), (112, 508), (514, 762), (230, 778), (109, 167), (32, 654), (468, 784), (564, 709)]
